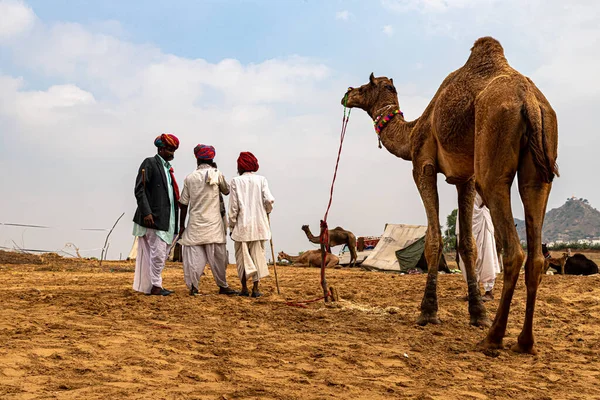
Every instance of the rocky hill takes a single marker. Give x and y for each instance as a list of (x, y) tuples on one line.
[(574, 220)]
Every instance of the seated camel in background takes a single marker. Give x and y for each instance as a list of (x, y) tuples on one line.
[(311, 258), (337, 237), (568, 264)]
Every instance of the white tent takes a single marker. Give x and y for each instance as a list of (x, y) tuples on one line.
[(395, 237)]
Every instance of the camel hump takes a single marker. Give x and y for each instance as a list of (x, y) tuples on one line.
[(486, 52), (487, 44)]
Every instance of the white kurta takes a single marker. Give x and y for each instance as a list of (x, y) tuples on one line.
[(249, 203), (486, 265), (201, 194)]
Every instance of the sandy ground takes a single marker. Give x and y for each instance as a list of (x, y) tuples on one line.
[(73, 330)]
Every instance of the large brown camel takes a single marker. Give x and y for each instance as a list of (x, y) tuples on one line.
[(311, 258), (485, 124), (337, 236)]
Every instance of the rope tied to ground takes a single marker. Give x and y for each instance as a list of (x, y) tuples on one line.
[(324, 235)]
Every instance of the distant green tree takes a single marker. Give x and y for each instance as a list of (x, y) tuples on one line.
[(450, 232)]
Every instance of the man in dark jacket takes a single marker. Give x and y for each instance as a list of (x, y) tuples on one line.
[(155, 220)]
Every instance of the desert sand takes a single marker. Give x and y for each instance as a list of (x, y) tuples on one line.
[(70, 329)]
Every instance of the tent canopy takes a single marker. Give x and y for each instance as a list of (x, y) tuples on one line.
[(399, 249)]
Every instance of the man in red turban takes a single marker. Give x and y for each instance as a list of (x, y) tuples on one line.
[(155, 220), (204, 152), (250, 202), (246, 162), (204, 239), (167, 140)]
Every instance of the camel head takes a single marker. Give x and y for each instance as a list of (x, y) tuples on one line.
[(282, 256), (305, 228), (378, 93)]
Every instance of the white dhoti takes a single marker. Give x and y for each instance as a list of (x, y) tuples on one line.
[(486, 264), (195, 259), (250, 259), (150, 262)]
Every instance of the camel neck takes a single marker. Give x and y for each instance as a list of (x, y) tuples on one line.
[(394, 133)]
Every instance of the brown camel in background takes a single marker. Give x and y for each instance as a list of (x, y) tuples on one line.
[(337, 237), (311, 258), (557, 263), (485, 124)]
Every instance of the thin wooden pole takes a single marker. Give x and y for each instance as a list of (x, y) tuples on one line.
[(273, 255), (105, 248)]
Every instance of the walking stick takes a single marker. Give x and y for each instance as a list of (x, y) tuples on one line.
[(144, 178), (273, 255)]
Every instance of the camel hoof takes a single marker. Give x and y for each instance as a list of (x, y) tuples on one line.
[(524, 349), (486, 346), (425, 319), (481, 321)]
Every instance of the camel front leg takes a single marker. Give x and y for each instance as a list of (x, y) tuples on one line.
[(426, 179), (332, 263), (468, 252)]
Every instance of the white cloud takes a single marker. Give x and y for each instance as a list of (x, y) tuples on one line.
[(85, 112), (388, 30), (15, 18), (109, 98), (343, 15)]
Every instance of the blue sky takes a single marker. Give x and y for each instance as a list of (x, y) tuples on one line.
[(85, 86)]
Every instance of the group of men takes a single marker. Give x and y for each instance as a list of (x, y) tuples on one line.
[(162, 211)]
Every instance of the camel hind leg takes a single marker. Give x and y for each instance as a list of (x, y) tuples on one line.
[(534, 194), (498, 201), (498, 133), (352, 247)]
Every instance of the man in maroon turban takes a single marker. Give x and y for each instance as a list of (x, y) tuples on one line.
[(246, 162), (155, 220), (249, 203), (204, 239)]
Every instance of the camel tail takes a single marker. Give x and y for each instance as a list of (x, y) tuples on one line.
[(542, 132)]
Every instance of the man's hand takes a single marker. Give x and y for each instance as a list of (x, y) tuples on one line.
[(149, 220)]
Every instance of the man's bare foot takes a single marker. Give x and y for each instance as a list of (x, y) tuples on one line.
[(487, 296)]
